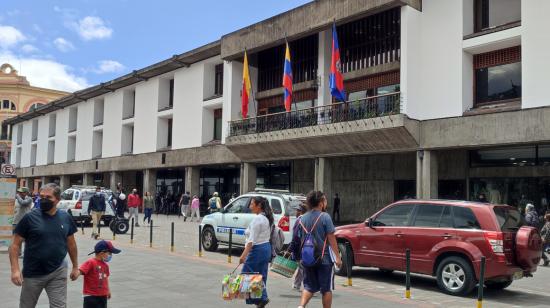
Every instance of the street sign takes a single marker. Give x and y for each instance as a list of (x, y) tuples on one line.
[(7, 170)]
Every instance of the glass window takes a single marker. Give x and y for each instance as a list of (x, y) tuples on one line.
[(509, 219), (356, 96), (13, 106), (494, 13), (428, 215), (398, 215), (276, 206), (240, 205), (302, 105), (67, 195), (498, 83), (5, 104), (464, 218), (387, 89), (544, 155), (446, 220), (509, 156)]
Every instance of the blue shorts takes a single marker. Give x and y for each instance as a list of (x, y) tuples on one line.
[(319, 278)]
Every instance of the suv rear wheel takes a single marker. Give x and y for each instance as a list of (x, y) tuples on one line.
[(455, 276), (343, 270), (208, 238)]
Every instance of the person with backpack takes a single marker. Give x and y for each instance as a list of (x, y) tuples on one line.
[(215, 203), (294, 248), (185, 201), (545, 235), (258, 252), (317, 238)]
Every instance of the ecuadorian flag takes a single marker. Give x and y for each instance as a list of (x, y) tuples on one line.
[(245, 94), (287, 80)]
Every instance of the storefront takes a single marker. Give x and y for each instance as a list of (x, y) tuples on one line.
[(224, 180), (274, 175)]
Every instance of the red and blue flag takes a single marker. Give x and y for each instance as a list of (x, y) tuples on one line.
[(336, 81), (287, 80)]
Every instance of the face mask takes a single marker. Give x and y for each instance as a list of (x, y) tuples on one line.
[(46, 205), (108, 258), (97, 193)]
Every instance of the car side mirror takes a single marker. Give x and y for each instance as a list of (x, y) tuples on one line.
[(370, 223)]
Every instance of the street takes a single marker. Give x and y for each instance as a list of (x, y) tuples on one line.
[(142, 276)]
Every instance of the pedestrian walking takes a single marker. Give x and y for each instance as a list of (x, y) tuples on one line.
[(148, 207), (215, 203), (119, 201), (294, 248), (36, 201), (317, 237), (336, 209), (195, 208), (96, 209), (185, 201), (257, 251), (531, 217), (23, 205), (49, 236), (134, 202), (545, 235), (96, 274)]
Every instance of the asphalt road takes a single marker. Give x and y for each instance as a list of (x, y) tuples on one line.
[(143, 276)]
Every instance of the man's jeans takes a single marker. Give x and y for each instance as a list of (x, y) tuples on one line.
[(55, 285)]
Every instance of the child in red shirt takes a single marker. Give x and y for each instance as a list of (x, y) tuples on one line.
[(96, 275)]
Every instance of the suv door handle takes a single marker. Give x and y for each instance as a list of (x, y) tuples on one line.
[(446, 236), (399, 234)]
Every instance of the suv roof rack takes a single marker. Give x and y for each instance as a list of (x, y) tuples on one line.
[(281, 191)]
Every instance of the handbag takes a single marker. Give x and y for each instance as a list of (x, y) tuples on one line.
[(284, 266)]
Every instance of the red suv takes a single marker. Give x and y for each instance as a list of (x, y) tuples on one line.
[(447, 240)]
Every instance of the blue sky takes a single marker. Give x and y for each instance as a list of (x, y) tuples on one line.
[(69, 45)]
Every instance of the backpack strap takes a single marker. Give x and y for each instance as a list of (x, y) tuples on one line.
[(314, 224)]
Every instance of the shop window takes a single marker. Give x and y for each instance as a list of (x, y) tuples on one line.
[(494, 13), (273, 175), (404, 189)]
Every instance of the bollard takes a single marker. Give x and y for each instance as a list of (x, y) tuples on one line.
[(230, 245), (81, 223), (200, 236), (349, 264), (151, 234), (408, 274), (132, 231), (172, 238), (114, 231), (481, 283)]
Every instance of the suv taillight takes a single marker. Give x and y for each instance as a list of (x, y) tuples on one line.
[(284, 223), (78, 205), (496, 242)]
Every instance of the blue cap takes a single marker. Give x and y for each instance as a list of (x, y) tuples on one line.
[(103, 245)]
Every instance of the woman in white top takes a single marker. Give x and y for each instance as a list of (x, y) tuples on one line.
[(257, 252)]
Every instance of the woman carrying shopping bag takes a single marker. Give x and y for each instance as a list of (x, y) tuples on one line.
[(257, 252)]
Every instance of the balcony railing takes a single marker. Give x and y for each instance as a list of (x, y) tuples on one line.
[(371, 107)]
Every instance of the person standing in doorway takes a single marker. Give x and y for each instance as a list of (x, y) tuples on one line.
[(96, 209), (185, 200), (195, 208), (336, 209), (134, 202), (148, 207), (49, 236)]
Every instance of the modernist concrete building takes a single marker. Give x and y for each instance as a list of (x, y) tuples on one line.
[(18, 96), (446, 98)]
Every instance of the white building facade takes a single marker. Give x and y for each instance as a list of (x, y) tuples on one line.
[(446, 99)]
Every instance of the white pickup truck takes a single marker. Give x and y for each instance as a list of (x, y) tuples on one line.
[(75, 201)]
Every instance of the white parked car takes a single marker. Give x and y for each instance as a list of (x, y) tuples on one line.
[(237, 216), (75, 201)]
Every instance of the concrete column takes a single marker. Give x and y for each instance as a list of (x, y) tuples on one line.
[(45, 180), (248, 177), (323, 71), (426, 175), (114, 179), (64, 182), (150, 181), (87, 179), (192, 179), (323, 176)]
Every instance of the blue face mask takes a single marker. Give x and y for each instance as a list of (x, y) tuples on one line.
[(108, 258)]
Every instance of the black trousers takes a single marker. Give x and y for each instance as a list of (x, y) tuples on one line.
[(95, 301), (336, 211)]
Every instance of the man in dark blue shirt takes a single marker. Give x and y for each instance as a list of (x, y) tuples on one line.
[(49, 235)]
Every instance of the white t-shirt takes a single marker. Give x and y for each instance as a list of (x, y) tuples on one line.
[(258, 232)]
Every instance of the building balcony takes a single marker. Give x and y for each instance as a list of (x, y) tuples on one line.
[(371, 125)]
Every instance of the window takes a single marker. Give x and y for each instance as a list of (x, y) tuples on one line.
[(446, 218), (276, 206), (33, 154), (507, 156), (169, 141), (4, 134), (34, 106), (464, 218), (494, 13), (51, 151), (34, 130), (128, 104), (218, 79), (239, 206), (20, 134), (508, 219), (171, 94), (428, 215), (99, 107), (497, 83), (303, 105), (8, 105), (398, 215), (73, 118), (218, 124), (52, 124), (67, 195)]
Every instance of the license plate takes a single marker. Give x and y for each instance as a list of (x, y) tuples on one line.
[(517, 275)]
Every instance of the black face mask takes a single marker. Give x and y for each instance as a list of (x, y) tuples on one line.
[(46, 205)]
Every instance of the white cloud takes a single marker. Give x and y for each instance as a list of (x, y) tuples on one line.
[(63, 45), (10, 36), (46, 73), (92, 28), (28, 48), (109, 66)]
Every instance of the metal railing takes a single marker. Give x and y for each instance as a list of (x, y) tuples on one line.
[(371, 107)]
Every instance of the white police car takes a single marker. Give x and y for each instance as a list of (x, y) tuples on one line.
[(237, 216)]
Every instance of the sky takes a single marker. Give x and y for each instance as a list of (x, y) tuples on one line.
[(71, 45)]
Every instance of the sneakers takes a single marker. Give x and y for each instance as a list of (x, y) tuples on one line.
[(263, 303), (137, 225)]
